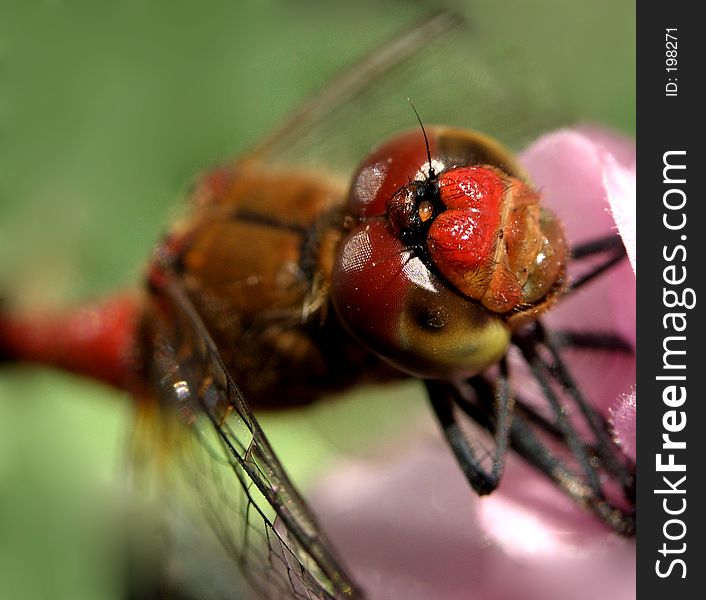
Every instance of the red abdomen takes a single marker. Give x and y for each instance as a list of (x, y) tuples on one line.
[(97, 339)]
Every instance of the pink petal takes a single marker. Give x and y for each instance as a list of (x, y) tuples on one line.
[(409, 527), (619, 183), (405, 525)]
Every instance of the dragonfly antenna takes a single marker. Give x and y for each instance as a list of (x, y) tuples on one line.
[(426, 139)]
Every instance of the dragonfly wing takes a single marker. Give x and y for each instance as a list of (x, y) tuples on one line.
[(442, 66), (261, 520)]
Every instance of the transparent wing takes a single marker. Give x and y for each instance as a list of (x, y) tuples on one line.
[(235, 479), (443, 67)]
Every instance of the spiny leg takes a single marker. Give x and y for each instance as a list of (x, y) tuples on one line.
[(611, 242), (589, 340), (443, 396), (541, 373), (610, 454), (611, 245), (488, 412), (528, 445)]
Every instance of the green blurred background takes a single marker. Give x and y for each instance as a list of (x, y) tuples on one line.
[(107, 112)]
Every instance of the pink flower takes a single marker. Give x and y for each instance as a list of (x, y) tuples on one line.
[(410, 527)]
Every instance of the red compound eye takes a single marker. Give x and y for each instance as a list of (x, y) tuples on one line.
[(386, 170)]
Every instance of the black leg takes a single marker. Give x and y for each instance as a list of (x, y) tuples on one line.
[(611, 246), (443, 397), (610, 242), (590, 340), (528, 445), (612, 260), (575, 444), (611, 456)]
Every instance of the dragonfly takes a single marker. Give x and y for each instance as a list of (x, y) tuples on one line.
[(276, 541)]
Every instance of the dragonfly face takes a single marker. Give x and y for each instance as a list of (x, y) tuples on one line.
[(448, 251), (293, 279)]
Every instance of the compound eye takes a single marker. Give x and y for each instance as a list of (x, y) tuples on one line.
[(388, 169), (394, 305)]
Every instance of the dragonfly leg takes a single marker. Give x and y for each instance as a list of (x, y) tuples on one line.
[(590, 340), (611, 246), (443, 396), (524, 439), (554, 368), (611, 242), (527, 444)]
